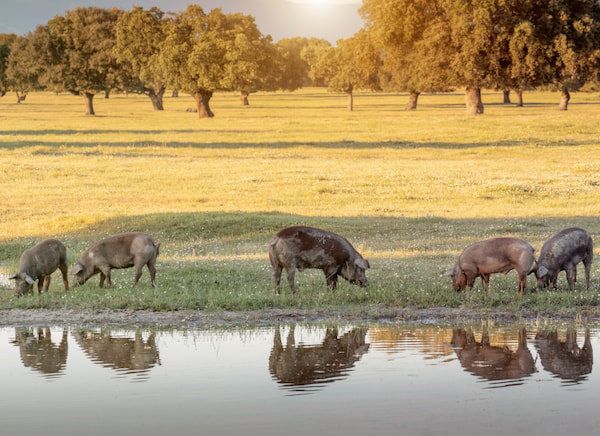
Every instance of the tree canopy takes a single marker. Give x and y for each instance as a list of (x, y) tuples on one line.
[(74, 53), (352, 64), (498, 44), (204, 52), (140, 36)]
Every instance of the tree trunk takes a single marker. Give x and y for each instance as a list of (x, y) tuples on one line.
[(107, 93), (88, 98), (519, 93), (21, 96), (202, 101), (175, 93), (244, 98), (506, 94), (350, 101), (473, 100), (156, 97), (412, 101), (564, 100)]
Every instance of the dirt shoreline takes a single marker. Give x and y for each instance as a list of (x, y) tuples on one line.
[(199, 319)]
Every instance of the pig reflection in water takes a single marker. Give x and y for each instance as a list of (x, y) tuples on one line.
[(117, 352), (304, 365), (565, 359), (492, 362), (39, 352)]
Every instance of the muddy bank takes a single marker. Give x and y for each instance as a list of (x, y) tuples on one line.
[(43, 317)]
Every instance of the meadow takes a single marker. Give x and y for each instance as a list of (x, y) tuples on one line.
[(409, 190)]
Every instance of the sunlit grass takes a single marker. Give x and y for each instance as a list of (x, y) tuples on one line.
[(409, 189)]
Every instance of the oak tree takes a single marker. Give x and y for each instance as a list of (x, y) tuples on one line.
[(139, 37), (352, 64), (75, 53), (205, 52)]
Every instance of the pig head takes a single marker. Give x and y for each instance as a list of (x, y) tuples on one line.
[(301, 247), (497, 255), (121, 251)]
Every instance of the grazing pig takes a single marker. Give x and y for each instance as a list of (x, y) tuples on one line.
[(121, 251), (300, 247), (38, 263), (562, 252), (492, 256)]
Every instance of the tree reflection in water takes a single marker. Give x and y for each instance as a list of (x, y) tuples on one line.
[(306, 368)]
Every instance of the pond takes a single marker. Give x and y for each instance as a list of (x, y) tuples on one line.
[(300, 380)]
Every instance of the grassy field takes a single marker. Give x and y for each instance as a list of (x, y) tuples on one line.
[(409, 189)]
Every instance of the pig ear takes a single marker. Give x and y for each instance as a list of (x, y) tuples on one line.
[(29, 280), (541, 271), (362, 263), (77, 269), (450, 272)]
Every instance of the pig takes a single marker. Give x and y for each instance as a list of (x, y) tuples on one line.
[(121, 251), (300, 247), (38, 263), (562, 252), (492, 256)]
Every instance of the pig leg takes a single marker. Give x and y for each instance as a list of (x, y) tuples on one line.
[(485, 279), (152, 270), (277, 269), (569, 272), (63, 271), (331, 277), (46, 283), (470, 280), (102, 277), (291, 274), (331, 280), (587, 263), (138, 273), (522, 281)]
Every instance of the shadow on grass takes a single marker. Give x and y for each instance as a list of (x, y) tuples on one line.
[(87, 149)]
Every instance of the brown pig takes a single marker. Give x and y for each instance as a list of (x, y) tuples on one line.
[(38, 263), (497, 255), (121, 251), (563, 252), (301, 247)]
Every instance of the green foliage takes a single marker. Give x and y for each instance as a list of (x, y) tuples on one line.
[(294, 69), (75, 50), (205, 52), (4, 53), (23, 69), (139, 37), (499, 44)]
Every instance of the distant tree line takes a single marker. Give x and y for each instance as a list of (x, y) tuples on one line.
[(410, 46)]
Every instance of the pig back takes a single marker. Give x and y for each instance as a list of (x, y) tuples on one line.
[(121, 251), (498, 255), (43, 259), (569, 245), (312, 247)]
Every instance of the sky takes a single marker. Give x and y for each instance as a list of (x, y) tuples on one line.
[(327, 19)]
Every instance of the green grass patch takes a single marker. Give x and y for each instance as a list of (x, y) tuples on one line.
[(410, 190)]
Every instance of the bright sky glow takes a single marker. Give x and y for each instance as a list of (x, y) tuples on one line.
[(328, 19), (327, 2)]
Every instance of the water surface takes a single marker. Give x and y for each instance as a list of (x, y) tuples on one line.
[(299, 380)]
